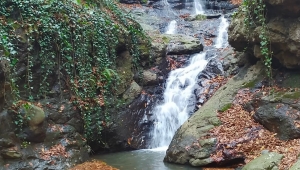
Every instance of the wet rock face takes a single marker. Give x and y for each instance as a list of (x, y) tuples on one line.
[(221, 6)]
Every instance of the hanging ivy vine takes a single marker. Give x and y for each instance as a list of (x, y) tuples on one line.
[(73, 41), (255, 16)]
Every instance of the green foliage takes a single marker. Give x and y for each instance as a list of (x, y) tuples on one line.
[(75, 42), (25, 144), (21, 117), (225, 107), (255, 16)]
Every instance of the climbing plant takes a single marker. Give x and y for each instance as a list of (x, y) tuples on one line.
[(73, 41), (255, 16)]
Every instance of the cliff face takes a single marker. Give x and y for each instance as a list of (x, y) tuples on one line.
[(63, 70), (283, 31)]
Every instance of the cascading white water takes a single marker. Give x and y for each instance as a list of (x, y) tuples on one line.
[(171, 29), (222, 38), (198, 7), (173, 111)]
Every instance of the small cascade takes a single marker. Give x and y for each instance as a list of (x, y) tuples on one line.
[(198, 7), (173, 111), (222, 38), (171, 29)]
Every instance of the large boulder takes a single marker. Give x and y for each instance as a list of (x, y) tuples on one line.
[(132, 92), (279, 118), (279, 111), (188, 145), (33, 118), (182, 44)]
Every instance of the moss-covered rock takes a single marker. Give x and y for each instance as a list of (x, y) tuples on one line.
[(183, 149), (267, 161), (34, 115), (182, 44), (296, 166)]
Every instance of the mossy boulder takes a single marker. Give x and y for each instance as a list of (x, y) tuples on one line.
[(278, 112), (187, 144), (34, 115), (34, 130), (267, 161), (296, 166), (183, 44)]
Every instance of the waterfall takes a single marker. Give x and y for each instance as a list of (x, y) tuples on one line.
[(172, 113), (198, 7), (222, 38), (171, 29)]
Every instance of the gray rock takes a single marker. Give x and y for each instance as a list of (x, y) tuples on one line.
[(149, 78), (132, 92), (34, 115), (296, 166), (11, 154), (283, 33), (277, 120), (269, 161), (278, 112), (182, 44), (200, 162), (35, 130)]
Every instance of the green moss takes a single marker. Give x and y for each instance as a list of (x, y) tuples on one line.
[(250, 84), (144, 1), (165, 39), (225, 107), (292, 95), (292, 80), (144, 49), (200, 17), (124, 65)]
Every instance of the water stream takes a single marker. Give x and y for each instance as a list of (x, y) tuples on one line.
[(198, 7), (171, 29), (145, 159), (222, 38), (172, 112), (178, 90)]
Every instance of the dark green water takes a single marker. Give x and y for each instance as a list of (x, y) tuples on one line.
[(141, 160)]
